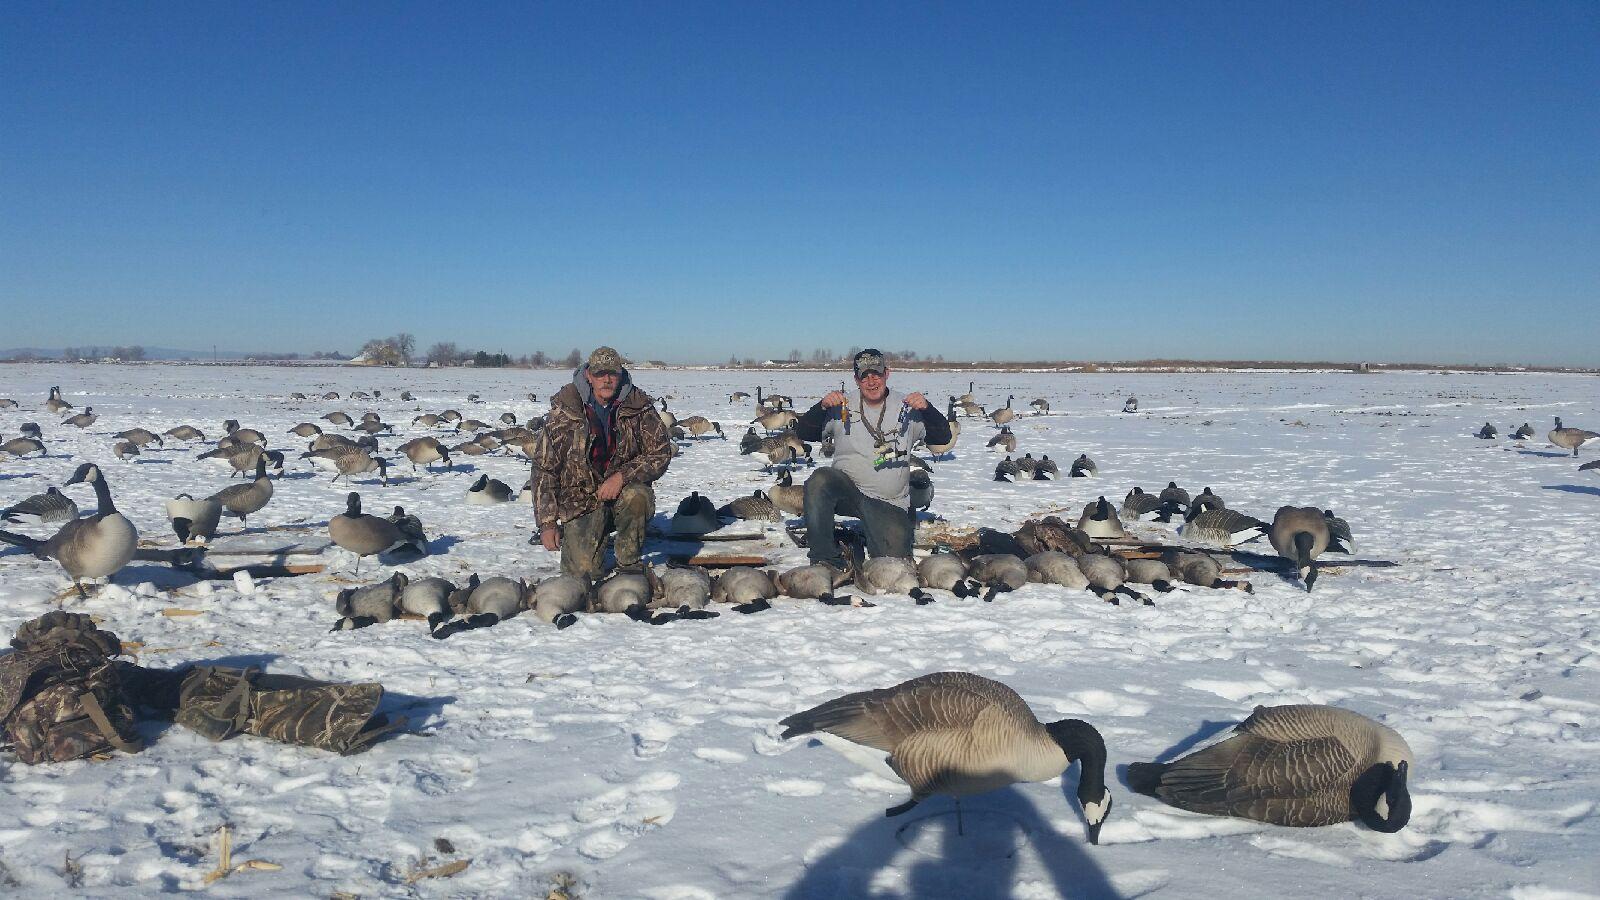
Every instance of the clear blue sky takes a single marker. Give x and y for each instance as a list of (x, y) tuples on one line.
[(1406, 181)]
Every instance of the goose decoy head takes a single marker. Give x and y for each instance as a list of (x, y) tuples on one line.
[(481, 483), (352, 504), (1082, 743), (1381, 797), (88, 473), (1102, 509)]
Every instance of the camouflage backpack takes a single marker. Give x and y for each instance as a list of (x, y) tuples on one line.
[(219, 702), (60, 695)]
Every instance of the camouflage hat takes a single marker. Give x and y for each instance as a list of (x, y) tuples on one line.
[(605, 359), (870, 361)]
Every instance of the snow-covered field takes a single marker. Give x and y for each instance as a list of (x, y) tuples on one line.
[(636, 761)]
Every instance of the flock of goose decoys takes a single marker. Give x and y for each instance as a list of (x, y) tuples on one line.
[(951, 733)]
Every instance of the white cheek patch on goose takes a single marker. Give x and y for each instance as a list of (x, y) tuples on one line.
[(1095, 813), (1382, 807)]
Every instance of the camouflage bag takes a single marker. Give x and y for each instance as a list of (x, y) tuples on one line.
[(60, 694), (219, 702)]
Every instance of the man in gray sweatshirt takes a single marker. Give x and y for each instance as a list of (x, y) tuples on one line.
[(873, 432)]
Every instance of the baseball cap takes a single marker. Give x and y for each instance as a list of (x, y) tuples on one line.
[(869, 361), (605, 359)]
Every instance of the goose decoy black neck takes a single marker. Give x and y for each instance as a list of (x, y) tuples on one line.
[(1386, 782), (1080, 741), (89, 472), (352, 504)]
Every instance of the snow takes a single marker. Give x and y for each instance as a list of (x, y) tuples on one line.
[(626, 760)]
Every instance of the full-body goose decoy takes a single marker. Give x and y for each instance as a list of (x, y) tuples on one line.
[(757, 506), (22, 446), (1046, 469), (366, 535), (83, 419), (427, 451), (1040, 406), (1130, 405), (1004, 440), (347, 460), (1523, 433), (243, 458), (1487, 432), (1174, 494), (959, 734), (1300, 534), (124, 449), (243, 499), (306, 430), (1570, 438), (1026, 465), (7, 403), (1005, 413), (54, 403), (773, 421), (49, 508), (1100, 520), (331, 395), (1302, 766), (1340, 540), (96, 546), (185, 433), (31, 429), (337, 418), (1083, 467), (1205, 500), (141, 437), (788, 496), (699, 426), (486, 491), (1221, 527), (194, 520), (1007, 470)]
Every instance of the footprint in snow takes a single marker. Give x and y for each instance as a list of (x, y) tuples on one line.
[(623, 814)]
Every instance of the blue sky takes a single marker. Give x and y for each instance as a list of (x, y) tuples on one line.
[(685, 180)]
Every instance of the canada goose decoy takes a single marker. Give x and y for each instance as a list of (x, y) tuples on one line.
[(450, 416), (49, 508), (1301, 766), (243, 458), (1004, 440), (406, 397), (1055, 567), (243, 499), (783, 448), (247, 436), (427, 451), (921, 490), (1138, 504), (700, 426), (1040, 406), (7, 403), (750, 442), (1007, 470), (366, 535), (360, 395), (508, 418), (194, 520), (667, 418), (1340, 540), (757, 506), (959, 734), (1205, 500), (374, 426), (83, 419), (1487, 432), (349, 460), (1083, 467), (486, 491), (370, 605), (1300, 534), (1523, 433), (140, 437), (1099, 520), (337, 418), (1589, 466), (1174, 494), (297, 395), (788, 496), (556, 601), (426, 420), (31, 429), (774, 421), (1005, 413), (97, 546), (737, 396), (54, 403), (970, 396), (1131, 405), (306, 430), (331, 441), (1200, 569), (185, 433), (22, 446), (1570, 438), (747, 588), (124, 449), (472, 425), (1107, 576), (1222, 527), (1046, 469), (1026, 465)]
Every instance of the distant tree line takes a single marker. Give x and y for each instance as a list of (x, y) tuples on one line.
[(134, 353)]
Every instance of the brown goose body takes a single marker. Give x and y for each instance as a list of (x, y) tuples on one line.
[(243, 499), (1300, 766), (1300, 534)]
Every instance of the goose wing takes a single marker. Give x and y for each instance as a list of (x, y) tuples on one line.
[(47, 507), (1255, 767), (886, 718)]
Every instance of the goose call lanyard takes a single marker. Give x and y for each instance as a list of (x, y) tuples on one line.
[(888, 446)]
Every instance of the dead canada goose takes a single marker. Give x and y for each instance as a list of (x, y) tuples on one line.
[(683, 586), (49, 508), (306, 430), (194, 520), (1153, 572), (54, 403), (1000, 573), (813, 582), (487, 491), (85, 418), (886, 575), (22, 446), (366, 535), (1301, 766), (1565, 438), (1300, 534), (1099, 520), (141, 437), (556, 601), (1222, 527), (496, 599), (243, 499), (1487, 432), (946, 572), (124, 449), (1523, 433), (940, 449), (185, 433), (1004, 440), (97, 546), (1007, 470), (1200, 569), (1055, 567), (959, 734), (427, 451), (1005, 413), (1083, 467), (625, 591), (370, 605), (747, 588), (1107, 576), (430, 599)]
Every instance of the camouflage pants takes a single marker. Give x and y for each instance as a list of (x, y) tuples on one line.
[(583, 540)]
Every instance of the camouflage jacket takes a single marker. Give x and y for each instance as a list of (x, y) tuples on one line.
[(564, 480)]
